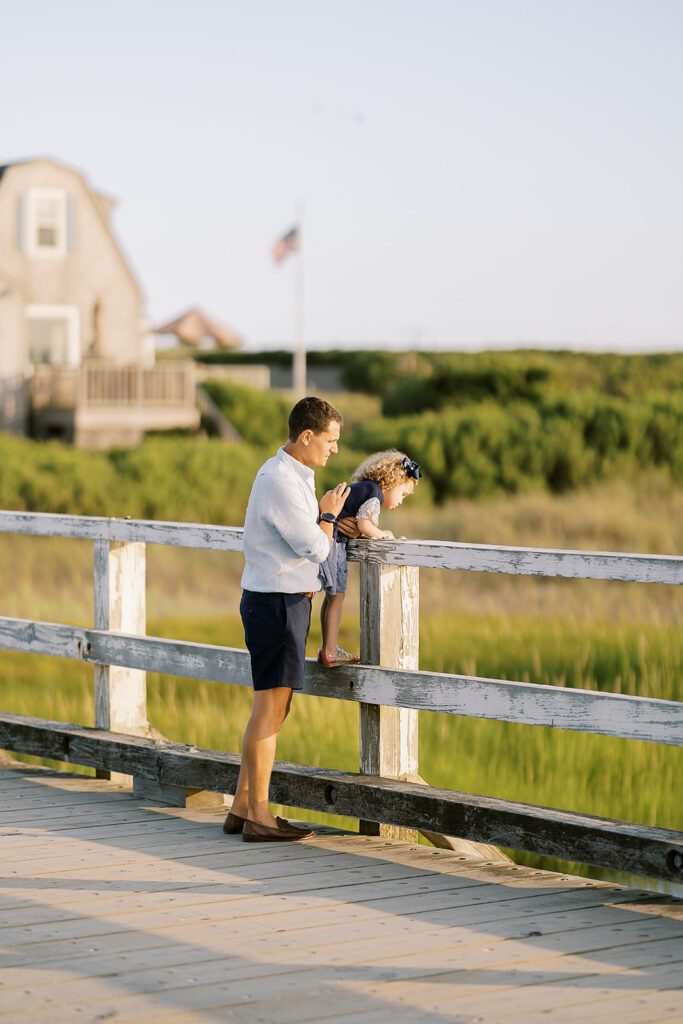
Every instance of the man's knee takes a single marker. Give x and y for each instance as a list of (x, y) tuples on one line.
[(287, 707), (273, 705)]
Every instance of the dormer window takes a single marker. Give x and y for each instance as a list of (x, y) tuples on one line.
[(47, 222)]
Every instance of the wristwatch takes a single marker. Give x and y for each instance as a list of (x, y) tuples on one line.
[(328, 517)]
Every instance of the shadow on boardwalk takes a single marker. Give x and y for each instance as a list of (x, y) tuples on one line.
[(113, 910)]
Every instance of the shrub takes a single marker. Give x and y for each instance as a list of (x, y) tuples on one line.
[(260, 417), (449, 386), (560, 443), (171, 478), (505, 422)]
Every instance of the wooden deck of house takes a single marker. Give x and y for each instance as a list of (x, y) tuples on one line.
[(97, 405), (115, 909)]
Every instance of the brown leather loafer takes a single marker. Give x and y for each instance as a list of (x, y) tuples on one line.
[(287, 826), (233, 824), (255, 833)]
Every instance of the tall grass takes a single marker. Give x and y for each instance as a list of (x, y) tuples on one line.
[(625, 779), (625, 638)]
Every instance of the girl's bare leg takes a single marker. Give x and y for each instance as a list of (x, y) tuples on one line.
[(332, 622)]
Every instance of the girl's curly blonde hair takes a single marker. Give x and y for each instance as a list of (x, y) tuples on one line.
[(385, 468)]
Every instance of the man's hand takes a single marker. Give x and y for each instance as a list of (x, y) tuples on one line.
[(349, 527), (333, 501)]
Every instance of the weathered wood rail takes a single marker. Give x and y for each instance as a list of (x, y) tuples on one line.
[(387, 795)]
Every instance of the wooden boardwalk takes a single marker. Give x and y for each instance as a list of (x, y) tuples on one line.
[(112, 909)]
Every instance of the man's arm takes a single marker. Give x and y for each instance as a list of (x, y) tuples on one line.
[(305, 537), (349, 527), (295, 525)]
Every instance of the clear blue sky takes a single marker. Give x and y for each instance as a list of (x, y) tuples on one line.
[(475, 172)]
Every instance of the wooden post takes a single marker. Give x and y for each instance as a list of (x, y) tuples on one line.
[(389, 629), (120, 605), (121, 693), (390, 636)]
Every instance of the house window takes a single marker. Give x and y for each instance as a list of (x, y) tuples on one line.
[(53, 335), (47, 222)]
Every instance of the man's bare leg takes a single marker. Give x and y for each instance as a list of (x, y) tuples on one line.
[(269, 710), (323, 618)]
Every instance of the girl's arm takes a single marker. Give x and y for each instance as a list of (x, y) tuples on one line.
[(368, 529)]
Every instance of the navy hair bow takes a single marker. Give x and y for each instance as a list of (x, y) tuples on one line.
[(412, 468)]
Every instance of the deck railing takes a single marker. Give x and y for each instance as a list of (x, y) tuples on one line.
[(387, 795), (95, 384)]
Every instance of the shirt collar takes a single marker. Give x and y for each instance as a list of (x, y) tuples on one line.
[(305, 472)]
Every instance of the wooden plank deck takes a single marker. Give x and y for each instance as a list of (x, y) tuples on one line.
[(112, 909)]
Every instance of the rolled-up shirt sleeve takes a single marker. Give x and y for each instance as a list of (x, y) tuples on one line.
[(295, 525)]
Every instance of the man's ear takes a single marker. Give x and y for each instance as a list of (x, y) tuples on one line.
[(305, 436)]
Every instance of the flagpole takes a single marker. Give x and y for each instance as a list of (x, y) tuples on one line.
[(299, 368)]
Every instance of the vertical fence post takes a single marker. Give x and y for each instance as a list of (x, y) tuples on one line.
[(121, 693), (120, 605), (389, 628)]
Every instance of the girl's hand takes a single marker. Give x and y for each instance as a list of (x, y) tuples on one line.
[(333, 501), (387, 535)]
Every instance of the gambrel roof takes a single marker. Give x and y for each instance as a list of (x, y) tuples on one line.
[(102, 204)]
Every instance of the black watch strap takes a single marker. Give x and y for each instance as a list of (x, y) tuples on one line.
[(327, 517)]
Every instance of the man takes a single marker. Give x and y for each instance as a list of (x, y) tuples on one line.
[(286, 536)]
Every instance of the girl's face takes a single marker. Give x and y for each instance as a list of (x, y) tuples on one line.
[(393, 496)]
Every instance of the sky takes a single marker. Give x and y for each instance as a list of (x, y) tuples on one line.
[(470, 173)]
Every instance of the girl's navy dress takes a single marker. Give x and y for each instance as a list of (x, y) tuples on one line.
[(365, 498)]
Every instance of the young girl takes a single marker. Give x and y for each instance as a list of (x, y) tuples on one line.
[(385, 478)]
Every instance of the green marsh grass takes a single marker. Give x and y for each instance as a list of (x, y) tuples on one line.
[(625, 638), (625, 779)]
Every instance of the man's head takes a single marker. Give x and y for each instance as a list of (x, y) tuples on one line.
[(314, 428)]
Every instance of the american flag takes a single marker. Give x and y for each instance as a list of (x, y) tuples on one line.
[(288, 243)]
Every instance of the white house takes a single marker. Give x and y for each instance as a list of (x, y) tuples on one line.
[(76, 355)]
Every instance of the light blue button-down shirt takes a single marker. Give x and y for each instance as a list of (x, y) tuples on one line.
[(283, 544)]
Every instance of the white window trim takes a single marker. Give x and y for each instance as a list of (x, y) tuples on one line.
[(56, 252), (73, 318)]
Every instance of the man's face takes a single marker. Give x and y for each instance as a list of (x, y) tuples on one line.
[(319, 447)]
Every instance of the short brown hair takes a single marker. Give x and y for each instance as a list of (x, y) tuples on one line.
[(311, 414)]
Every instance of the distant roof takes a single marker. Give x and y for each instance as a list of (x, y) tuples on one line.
[(194, 325)]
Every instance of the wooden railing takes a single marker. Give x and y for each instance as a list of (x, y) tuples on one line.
[(390, 689), (52, 388), (95, 384)]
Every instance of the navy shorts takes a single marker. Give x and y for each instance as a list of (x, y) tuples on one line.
[(275, 630)]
